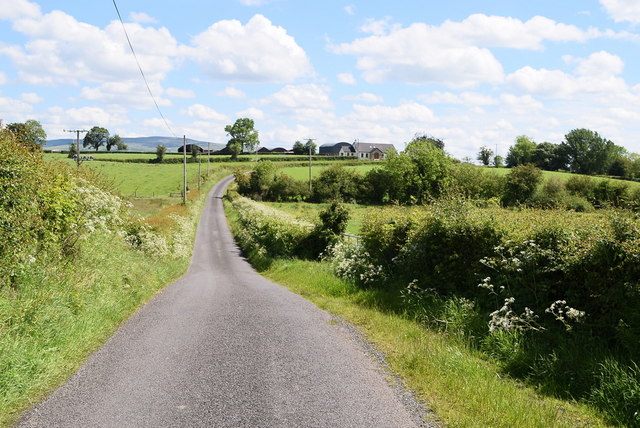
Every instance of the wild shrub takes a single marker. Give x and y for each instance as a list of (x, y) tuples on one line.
[(337, 183), (285, 188), (581, 185), (445, 247), (476, 183), (265, 231), (521, 183), (351, 262), (611, 193)]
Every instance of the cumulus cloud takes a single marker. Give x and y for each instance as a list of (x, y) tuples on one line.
[(142, 18), (231, 92), (407, 112), (294, 96), (422, 54), (3, 78), (350, 9), (623, 10), (15, 9), (127, 92), (252, 113), (507, 32), (365, 97), (347, 78), (256, 52), (62, 50), (596, 74), (466, 98), (31, 98), (200, 111)]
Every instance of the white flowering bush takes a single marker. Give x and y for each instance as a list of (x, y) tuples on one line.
[(100, 209), (265, 230), (351, 262)]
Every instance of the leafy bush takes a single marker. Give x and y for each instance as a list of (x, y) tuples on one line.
[(350, 261), (476, 183), (581, 185), (268, 232), (337, 183), (521, 183)]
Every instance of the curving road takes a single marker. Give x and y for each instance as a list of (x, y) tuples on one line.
[(224, 347)]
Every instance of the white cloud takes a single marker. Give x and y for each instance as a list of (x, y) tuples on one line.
[(3, 78), (31, 98), (62, 50), (86, 117), (256, 52), (422, 54), (127, 92), (365, 97), (466, 98), (291, 97), (377, 27), (350, 9), (13, 9), (520, 104), (180, 93), (623, 10), (598, 64), (142, 18), (12, 110), (407, 112), (596, 74), (347, 78), (200, 111), (231, 92), (252, 113), (308, 102), (507, 32), (253, 2)]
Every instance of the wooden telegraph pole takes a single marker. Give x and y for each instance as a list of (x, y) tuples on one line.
[(77, 131), (184, 170)]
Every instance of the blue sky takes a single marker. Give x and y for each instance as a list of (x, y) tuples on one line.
[(472, 73)]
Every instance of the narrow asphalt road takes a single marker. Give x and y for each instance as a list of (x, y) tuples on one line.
[(224, 347)]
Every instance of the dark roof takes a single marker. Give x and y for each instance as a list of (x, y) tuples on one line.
[(369, 147), (335, 147), (279, 150), (263, 150)]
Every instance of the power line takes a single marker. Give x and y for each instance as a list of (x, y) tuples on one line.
[(142, 72)]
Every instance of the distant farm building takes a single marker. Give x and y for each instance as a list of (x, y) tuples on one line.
[(357, 149)]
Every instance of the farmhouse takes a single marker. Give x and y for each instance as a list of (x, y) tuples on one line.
[(357, 149)]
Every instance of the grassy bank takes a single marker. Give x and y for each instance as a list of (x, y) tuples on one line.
[(62, 309), (460, 384)]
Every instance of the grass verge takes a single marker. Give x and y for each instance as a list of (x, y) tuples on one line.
[(460, 386), (64, 309)]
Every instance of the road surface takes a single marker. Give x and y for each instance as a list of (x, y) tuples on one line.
[(224, 347)]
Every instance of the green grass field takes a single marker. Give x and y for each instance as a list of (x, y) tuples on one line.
[(302, 172), (564, 176)]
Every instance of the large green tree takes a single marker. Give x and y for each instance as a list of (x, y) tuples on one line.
[(243, 136), (521, 152), (310, 147), (116, 141), (96, 137), (484, 155), (589, 153), (298, 148), (29, 133), (421, 137)]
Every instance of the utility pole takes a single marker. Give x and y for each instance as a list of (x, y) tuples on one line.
[(199, 174), (309, 141), (208, 157), (184, 170), (77, 131)]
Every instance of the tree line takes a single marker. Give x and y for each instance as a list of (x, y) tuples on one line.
[(583, 151)]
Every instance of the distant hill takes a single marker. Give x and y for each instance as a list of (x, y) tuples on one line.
[(138, 144)]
